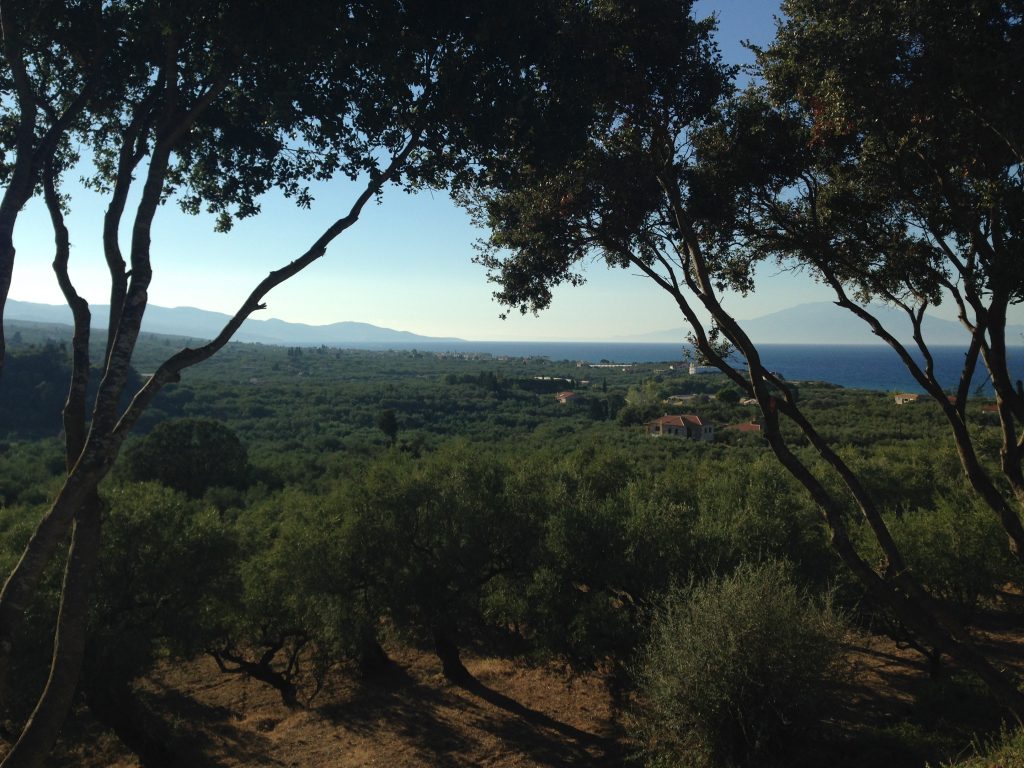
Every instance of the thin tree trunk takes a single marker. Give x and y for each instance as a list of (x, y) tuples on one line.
[(41, 731), (74, 408), (48, 536), (995, 362), (10, 206), (901, 593), (21, 181)]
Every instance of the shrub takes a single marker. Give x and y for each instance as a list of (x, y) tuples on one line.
[(956, 549), (734, 669), (191, 456), (1006, 752), (166, 578)]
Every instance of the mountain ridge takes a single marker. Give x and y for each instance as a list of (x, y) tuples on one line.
[(822, 322), (809, 323), (206, 324)]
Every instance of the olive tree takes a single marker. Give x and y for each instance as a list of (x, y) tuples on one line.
[(433, 538), (165, 581), (736, 670), (190, 455), (907, 187), (212, 104), (660, 187)]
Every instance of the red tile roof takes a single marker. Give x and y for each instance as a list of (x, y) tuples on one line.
[(750, 426), (678, 421)]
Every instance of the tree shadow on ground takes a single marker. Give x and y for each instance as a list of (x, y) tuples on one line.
[(418, 711), (393, 698), (197, 746), (893, 708), (531, 732)]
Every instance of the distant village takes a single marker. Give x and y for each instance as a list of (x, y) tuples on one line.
[(682, 426), (691, 426)]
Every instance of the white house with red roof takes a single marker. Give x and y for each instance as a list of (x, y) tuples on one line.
[(687, 426)]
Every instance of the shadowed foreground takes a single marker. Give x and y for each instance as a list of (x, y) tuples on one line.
[(410, 715), (888, 711)]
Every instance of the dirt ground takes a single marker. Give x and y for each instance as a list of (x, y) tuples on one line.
[(517, 716), (888, 711)]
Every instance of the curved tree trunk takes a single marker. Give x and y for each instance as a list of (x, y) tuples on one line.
[(896, 588), (78, 493), (43, 727), (263, 670)]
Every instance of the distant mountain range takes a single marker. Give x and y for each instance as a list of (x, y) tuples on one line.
[(814, 323), (202, 324), (825, 323)]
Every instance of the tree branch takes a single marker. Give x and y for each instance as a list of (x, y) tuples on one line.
[(74, 406), (170, 370)]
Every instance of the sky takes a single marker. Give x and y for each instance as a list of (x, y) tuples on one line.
[(406, 265)]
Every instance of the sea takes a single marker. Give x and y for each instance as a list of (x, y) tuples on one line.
[(868, 366)]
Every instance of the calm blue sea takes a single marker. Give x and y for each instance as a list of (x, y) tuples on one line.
[(872, 366)]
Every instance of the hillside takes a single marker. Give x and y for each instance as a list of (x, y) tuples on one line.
[(824, 323), (203, 324)]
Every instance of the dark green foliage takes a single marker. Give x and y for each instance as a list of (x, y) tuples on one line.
[(631, 415), (735, 670), (603, 560), (729, 395), (33, 390), (748, 508), (191, 456), (616, 402), (387, 422), (909, 116), (610, 540), (576, 603), (29, 471), (166, 582), (305, 590), (434, 536), (544, 532), (30, 668), (957, 549), (423, 544)]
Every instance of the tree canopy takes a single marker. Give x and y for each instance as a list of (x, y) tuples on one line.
[(881, 153), (679, 176), (905, 185), (212, 104), (191, 456)]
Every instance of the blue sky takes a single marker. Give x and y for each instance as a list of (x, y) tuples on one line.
[(405, 265)]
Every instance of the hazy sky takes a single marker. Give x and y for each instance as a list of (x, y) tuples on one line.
[(405, 265)]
